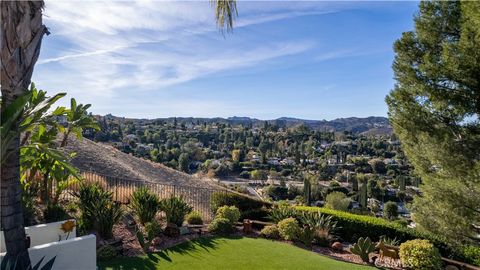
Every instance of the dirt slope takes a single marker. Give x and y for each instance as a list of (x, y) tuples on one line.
[(106, 160)]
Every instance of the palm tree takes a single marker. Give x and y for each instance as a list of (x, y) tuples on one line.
[(77, 120), (21, 33)]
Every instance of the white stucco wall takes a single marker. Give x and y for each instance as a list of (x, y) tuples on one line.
[(73, 254), (42, 234)]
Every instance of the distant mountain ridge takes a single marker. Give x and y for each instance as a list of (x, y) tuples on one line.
[(373, 125)]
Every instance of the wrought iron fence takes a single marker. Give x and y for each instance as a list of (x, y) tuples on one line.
[(123, 188)]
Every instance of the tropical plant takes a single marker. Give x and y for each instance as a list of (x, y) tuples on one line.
[(229, 212), (306, 235), (420, 254), (175, 209), (108, 213), (289, 229), (13, 264), (389, 241), (77, 120), (270, 232), (281, 212), (362, 248), (145, 204), (323, 226), (54, 212), (194, 218)]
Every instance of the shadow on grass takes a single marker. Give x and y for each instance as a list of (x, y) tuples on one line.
[(152, 260)]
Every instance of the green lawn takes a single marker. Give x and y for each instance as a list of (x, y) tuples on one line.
[(231, 253)]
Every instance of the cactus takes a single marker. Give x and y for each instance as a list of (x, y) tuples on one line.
[(362, 248)]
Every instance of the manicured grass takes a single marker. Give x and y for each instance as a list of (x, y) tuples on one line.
[(231, 253)]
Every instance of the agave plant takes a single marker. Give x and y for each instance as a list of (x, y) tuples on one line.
[(319, 221), (175, 209), (362, 248)]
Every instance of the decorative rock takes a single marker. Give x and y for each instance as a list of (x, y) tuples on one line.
[(184, 230), (172, 230), (451, 267), (337, 246)]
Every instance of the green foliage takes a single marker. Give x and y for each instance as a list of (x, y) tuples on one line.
[(434, 112), (98, 211), (323, 226), (389, 241), (54, 212), (362, 196), (175, 209), (289, 229), (362, 248), (390, 210), (337, 201), (152, 229), (221, 226), (259, 175), (145, 204), (106, 252), (306, 235), (420, 254), (270, 232), (281, 212), (352, 226), (242, 202), (194, 218), (229, 212), (472, 255), (307, 190)]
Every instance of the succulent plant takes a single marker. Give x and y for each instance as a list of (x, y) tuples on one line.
[(362, 248)]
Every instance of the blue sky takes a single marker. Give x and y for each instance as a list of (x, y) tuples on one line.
[(147, 59)]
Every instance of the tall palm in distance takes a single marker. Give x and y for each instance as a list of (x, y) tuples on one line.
[(21, 33)]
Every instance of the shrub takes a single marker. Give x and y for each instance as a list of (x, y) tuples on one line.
[(220, 226), (337, 201), (472, 255), (244, 175), (420, 254), (289, 229), (390, 210), (362, 248), (145, 204), (175, 209), (352, 226), (152, 229), (270, 232), (242, 202), (194, 218), (306, 235), (108, 214), (106, 252), (324, 226), (54, 212), (229, 212), (87, 195)]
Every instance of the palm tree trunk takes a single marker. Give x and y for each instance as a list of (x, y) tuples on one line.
[(21, 33)]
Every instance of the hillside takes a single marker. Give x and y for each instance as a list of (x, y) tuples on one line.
[(106, 160)]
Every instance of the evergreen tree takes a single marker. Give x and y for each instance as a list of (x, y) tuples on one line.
[(434, 110)]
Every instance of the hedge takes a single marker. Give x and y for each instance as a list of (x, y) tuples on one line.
[(249, 207), (354, 226)]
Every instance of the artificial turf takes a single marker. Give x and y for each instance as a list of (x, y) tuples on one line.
[(231, 253)]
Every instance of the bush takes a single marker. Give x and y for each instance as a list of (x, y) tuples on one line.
[(242, 202), (337, 201), (229, 212), (98, 211), (54, 212), (289, 229), (221, 226), (306, 235), (145, 204), (472, 255), (351, 227), (194, 218), (277, 192), (390, 210), (106, 252), (282, 212), (270, 232), (244, 175), (152, 229), (175, 209), (420, 254)]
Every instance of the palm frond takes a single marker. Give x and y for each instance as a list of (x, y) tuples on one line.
[(225, 13)]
